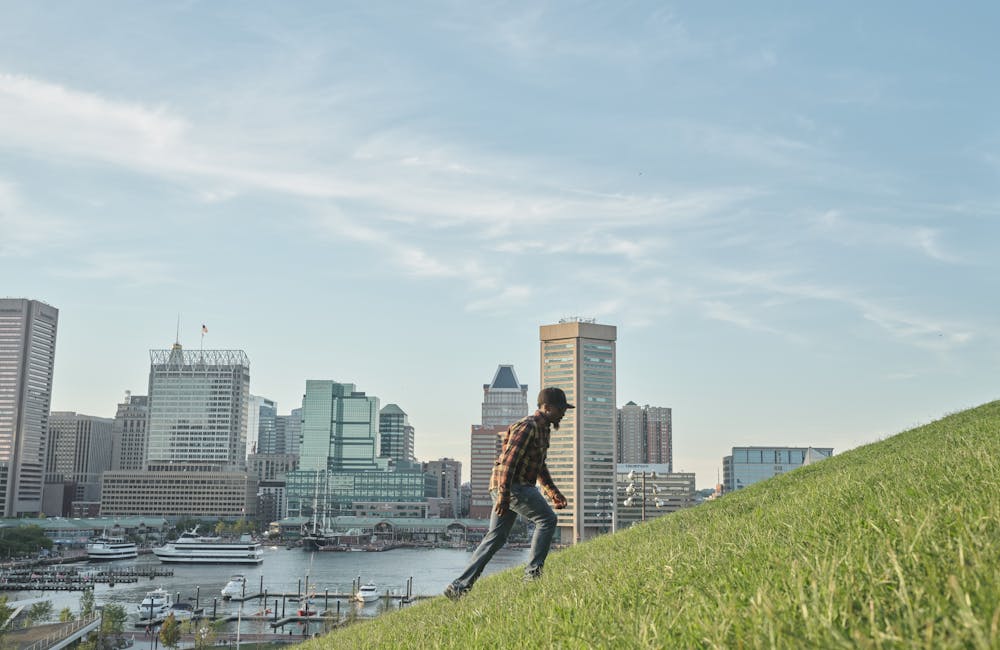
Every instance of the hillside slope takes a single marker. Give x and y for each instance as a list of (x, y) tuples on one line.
[(895, 544)]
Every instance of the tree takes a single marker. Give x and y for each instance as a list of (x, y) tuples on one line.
[(5, 614), (170, 632), (113, 618), (65, 615), (220, 527), (87, 603), (40, 611), (205, 633)]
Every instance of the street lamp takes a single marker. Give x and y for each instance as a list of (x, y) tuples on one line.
[(604, 502), (633, 493)]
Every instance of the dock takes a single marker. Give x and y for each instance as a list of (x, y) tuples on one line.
[(65, 578)]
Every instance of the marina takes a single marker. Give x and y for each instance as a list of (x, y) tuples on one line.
[(274, 589)]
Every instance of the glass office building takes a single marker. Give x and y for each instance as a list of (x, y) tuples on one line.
[(748, 465), (198, 408)]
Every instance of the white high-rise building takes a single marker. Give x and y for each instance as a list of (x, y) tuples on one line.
[(578, 356), (198, 409), (27, 358)]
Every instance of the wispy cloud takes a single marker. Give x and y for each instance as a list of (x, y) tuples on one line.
[(24, 232), (855, 232), (132, 269)]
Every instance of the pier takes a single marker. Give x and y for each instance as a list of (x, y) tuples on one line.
[(63, 578)]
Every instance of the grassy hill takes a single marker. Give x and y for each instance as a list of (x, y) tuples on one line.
[(895, 544)]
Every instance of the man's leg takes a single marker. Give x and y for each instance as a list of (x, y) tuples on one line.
[(528, 502), (494, 540)]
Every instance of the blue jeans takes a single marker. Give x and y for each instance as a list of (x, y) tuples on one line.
[(527, 501)]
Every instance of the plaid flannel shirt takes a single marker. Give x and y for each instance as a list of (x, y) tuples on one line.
[(522, 457)]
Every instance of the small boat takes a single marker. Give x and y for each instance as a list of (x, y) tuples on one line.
[(155, 605), (235, 586), (368, 593), (108, 547), (180, 612)]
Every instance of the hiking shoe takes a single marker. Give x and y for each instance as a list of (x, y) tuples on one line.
[(454, 592), (532, 574)]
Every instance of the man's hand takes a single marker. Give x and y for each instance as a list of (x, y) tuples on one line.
[(558, 502), (502, 504)]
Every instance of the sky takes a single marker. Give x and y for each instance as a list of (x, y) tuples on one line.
[(791, 213)]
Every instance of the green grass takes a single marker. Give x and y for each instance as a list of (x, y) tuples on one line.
[(891, 545)]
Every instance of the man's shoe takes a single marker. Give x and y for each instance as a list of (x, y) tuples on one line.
[(531, 576), (454, 592)]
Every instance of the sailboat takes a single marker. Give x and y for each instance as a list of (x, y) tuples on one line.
[(307, 598)]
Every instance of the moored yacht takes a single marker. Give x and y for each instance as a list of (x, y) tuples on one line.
[(368, 593), (235, 586), (192, 548), (155, 605)]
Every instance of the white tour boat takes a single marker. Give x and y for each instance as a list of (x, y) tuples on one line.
[(155, 605), (234, 587), (192, 548), (107, 547), (368, 593)]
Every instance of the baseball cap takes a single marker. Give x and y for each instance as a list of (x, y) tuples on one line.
[(554, 397)]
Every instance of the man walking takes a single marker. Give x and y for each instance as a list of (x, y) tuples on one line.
[(521, 464)]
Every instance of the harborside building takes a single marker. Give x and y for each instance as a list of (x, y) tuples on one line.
[(27, 358), (579, 356), (79, 451), (196, 436), (748, 465)]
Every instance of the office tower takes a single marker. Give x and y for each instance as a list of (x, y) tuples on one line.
[(504, 399), (128, 435), (339, 427), (287, 432), (198, 409), (395, 434), (261, 414), (447, 476), (79, 451), (27, 357), (579, 356), (748, 465), (645, 435)]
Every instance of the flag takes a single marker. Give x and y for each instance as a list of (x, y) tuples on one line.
[(204, 329)]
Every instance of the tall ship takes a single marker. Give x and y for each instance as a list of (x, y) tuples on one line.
[(192, 548), (111, 547)]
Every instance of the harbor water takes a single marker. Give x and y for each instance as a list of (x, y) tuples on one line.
[(286, 571)]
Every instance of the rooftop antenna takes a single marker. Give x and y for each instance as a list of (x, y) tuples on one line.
[(177, 339)]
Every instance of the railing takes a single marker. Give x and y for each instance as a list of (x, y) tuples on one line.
[(63, 632)]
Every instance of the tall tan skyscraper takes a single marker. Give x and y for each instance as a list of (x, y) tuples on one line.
[(27, 357), (579, 356)]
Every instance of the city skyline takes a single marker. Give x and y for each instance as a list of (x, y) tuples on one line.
[(789, 214)]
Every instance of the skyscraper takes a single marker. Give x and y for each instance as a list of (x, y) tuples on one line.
[(27, 358), (128, 434), (287, 430), (395, 434), (645, 435), (447, 475), (505, 401), (579, 356), (198, 408)]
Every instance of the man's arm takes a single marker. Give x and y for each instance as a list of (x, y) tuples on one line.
[(550, 489)]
